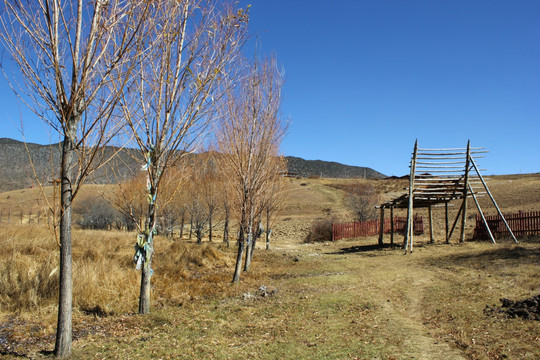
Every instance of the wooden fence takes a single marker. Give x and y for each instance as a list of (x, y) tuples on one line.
[(371, 227), (522, 224)]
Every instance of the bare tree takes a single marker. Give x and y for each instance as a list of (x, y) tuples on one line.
[(210, 191), (67, 53), (227, 215), (361, 197), (274, 202), (249, 136), (188, 55)]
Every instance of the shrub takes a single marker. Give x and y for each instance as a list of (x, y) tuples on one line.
[(98, 214), (321, 230)]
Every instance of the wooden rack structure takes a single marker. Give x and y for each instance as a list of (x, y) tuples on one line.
[(438, 177)]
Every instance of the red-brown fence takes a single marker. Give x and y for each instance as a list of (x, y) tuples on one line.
[(522, 224), (371, 227)]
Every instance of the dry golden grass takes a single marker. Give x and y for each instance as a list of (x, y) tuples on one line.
[(105, 280)]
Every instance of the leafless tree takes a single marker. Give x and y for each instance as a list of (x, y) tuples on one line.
[(189, 52), (67, 52), (361, 197), (274, 202), (249, 136)]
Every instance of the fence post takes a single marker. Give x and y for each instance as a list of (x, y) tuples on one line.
[(381, 228)]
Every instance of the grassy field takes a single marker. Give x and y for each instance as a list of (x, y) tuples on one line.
[(342, 300)]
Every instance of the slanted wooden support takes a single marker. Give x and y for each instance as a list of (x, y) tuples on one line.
[(465, 191), (381, 228), (392, 226), (455, 222), (482, 214), (430, 212), (409, 233), (493, 199)]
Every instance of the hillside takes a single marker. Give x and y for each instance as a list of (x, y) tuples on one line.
[(16, 171), (330, 169)]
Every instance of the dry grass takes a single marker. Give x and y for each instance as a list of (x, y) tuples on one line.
[(105, 281)]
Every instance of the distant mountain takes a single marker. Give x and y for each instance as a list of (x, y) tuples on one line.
[(16, 171), (329, 169)]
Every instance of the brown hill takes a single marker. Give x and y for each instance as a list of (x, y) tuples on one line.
[(16, 170)]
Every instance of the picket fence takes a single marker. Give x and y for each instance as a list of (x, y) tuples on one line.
[(372, 227), (522, 224)]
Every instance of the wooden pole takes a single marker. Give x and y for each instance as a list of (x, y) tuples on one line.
[(455, 222), (381, 228), (392, 226), (465, 190), (430, 212), (446, 220), (493, 199), (409, 233), (482, 214)]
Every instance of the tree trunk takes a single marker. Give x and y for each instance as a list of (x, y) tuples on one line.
[(146, 272), (267, 228), (240, 254), (250, 246), (190, 226), (182, 224), (198, 232), (210, 226), (65, 298), (144, 295), (226, 227)]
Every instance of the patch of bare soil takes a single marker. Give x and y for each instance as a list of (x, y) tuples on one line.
[(528, 309)]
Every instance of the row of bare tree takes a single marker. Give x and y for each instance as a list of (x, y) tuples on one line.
[(157, 76)]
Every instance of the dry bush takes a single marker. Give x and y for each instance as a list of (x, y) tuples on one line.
[(362, 198), (321, 230)]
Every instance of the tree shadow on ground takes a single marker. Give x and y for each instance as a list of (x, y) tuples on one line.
[(364, 248), (492, 258)]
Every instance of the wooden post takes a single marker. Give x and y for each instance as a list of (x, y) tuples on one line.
[(431, 239), (392, 226), (446, 220), (465, 191), (381, 228), (409, 233)]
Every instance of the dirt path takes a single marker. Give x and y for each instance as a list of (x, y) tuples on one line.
[(419, 343), (398, 284)]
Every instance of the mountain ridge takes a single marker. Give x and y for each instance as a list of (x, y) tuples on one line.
[(16, 171)]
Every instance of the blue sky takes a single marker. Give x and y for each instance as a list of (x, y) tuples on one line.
[(366, 78)]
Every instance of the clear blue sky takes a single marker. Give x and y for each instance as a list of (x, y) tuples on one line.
[(366, 78)]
